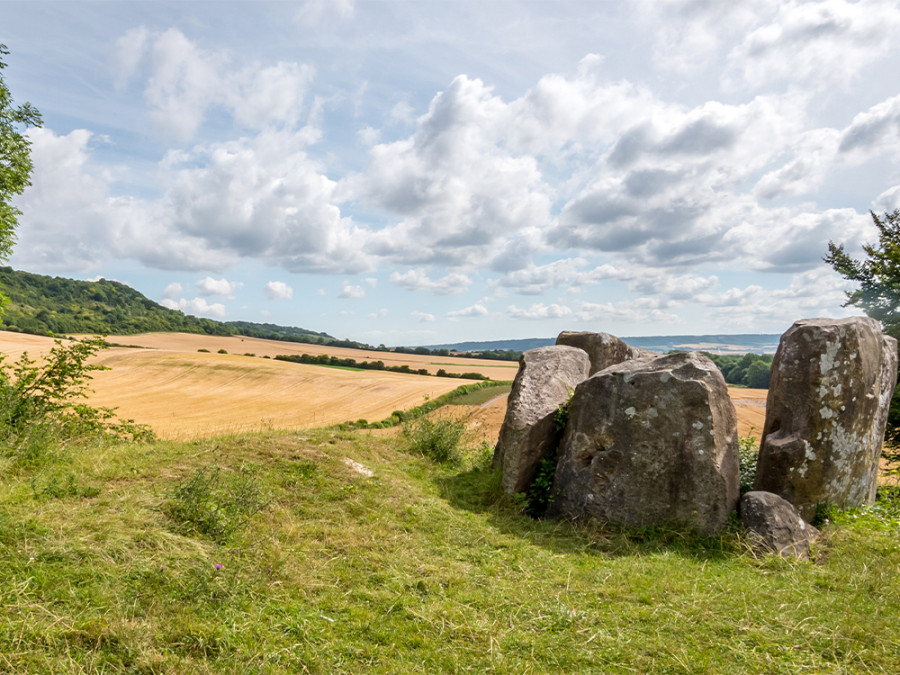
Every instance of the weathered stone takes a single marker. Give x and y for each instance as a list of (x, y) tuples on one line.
[(603, 349), (651, 441), (545, 378), (831, 385), (775, 526)]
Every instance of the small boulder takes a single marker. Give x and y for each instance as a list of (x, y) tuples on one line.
[(603, 349), (775, 526), (829, 395), (651, 442), (544, 381)]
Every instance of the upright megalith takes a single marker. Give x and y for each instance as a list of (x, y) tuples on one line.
[(545, 379), (831, 386), (651, 441), (603, 349)]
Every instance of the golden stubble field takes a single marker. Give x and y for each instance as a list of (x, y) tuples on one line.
[(162, 380)]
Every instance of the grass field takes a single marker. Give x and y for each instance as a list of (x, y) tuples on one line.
[(334, 552)]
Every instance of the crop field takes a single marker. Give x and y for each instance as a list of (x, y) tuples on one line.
[(161, 379)]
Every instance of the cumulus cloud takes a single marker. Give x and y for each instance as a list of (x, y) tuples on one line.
[(209, 286), (824, 43), (173, 290), (185, 81), (196, 306), (418, 280), (476, 310), (538, 311), (349, 291), (422, 317), (278, 290)]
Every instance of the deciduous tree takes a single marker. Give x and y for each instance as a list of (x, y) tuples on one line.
[(15, 158)]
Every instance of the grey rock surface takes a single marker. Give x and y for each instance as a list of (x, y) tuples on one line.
[(829, 395), (545, 378), (775, 526), (650, 442), (603, 349)]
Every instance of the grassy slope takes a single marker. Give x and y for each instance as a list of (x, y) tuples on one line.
[(416, 569)]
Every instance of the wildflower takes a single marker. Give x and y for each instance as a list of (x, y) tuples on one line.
[(218, 566)]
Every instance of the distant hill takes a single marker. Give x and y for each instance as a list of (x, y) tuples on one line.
[(42, 305), (716, 344)]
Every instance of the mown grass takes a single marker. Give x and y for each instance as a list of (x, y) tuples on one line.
[(419, 568), (480, 396)]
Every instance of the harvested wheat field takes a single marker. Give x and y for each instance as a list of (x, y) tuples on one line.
[(162, 380), (183, 394)]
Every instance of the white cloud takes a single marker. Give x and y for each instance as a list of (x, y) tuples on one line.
[(349, 291), (209, 286), (422, 317), (173, 290), (380, 314), (476, 310), (825, 43), (539, 311), (278, 290), (185, 81), (417, 280), (196, 306)]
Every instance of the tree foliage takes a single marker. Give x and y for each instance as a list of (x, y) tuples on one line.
[(15, 158), (878, 293), (878, 275)]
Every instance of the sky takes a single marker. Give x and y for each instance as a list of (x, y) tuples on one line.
[(426, 172)]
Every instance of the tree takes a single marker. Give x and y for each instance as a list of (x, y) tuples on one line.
[(15, 158), (878, 294), (878, 275)]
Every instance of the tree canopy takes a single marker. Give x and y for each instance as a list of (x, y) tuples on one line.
[(878, 294), (15, 158), (878, 275)]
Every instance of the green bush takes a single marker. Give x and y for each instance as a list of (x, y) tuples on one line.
[(748, 454), (437, 439), (42, 401)]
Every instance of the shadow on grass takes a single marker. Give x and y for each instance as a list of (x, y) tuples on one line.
[(477, 491)]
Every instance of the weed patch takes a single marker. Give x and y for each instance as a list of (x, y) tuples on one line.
[(214, 503)]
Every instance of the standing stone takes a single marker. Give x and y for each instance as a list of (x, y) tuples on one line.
[(831, 386), (651, 441), (544, 381), (775, 526), (604, 349)]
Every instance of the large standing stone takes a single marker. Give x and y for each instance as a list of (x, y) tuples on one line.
[(544, 381), (775, 526), (651, 441), (604, 349), (831, 385)]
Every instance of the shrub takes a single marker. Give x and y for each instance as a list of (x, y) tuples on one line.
[(222, 351), (748, 455), (437, 439), (41, 401)]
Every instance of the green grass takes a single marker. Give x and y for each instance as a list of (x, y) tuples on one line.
[(482, 395), (419, 568)]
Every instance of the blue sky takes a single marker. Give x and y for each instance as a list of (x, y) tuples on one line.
[(430, 172)]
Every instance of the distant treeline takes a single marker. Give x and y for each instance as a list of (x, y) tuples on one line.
[(336, 362), (42, 305), (749, 370), (491, 354)]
